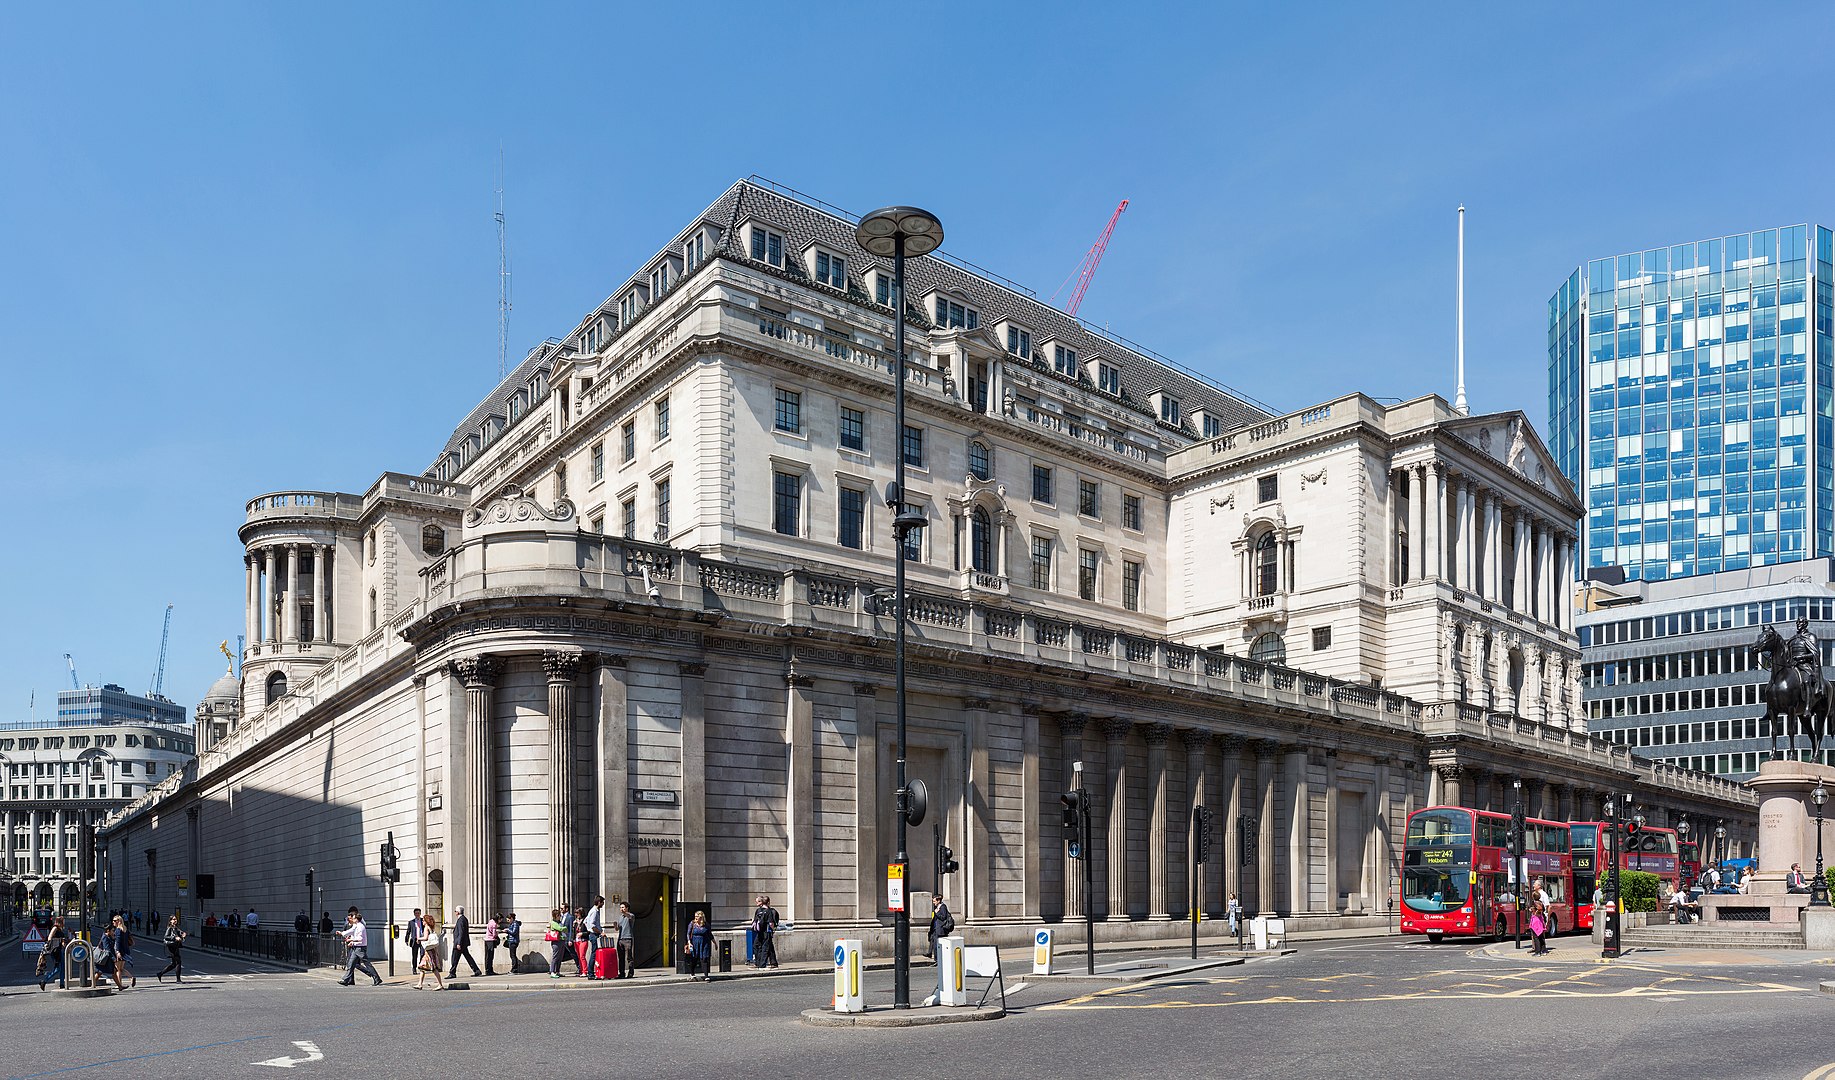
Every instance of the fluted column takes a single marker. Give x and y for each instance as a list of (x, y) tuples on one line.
[(1564, 585), (693, 684), (611, 741), (1159, 899), (1468, 548), (478, 891), (1379, 887), (1116, 869), (1522, 585), (869, 890), (1332, 885), (1265, 751), (292, 610), (1070, 733), (1417, 543), (1197, 793), (1235, 804), (1449, 775), (270, 603), (974, 890), (563, 831), (1299, 831), (251, 616), (1436, 532), (321, 565), (800, 807), (1494, 548)]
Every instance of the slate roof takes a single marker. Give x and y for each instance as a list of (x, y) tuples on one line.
[(803, 222)]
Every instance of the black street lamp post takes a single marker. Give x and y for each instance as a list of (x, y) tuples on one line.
[(1681, 845), (1819, 889), (1609, 947), (1518, 868), (898, 231)]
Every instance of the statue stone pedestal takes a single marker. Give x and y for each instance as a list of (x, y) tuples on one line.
[(1787, 820)]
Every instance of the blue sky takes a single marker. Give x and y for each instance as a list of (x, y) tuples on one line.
[(250, 248)]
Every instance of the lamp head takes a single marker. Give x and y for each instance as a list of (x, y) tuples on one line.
[(879, 232), (1682, 827), (1821, 794)]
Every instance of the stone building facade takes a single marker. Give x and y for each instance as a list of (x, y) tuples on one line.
[(630, 633)]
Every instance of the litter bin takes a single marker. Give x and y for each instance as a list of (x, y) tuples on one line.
[(748, 946), (726, 953)]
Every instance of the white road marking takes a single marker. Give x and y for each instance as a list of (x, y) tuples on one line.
[(313, 1053)]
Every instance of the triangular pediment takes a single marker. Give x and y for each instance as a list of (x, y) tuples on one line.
[(1510, 439)]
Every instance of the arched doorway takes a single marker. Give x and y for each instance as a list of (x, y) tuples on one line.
[(67, 899), (652, 903), (41, 897), (18, 898)]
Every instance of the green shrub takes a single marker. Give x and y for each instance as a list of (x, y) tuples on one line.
[(1639, 890)]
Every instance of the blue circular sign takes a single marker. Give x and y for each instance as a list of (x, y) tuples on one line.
[(840, 955), (1044, 937)]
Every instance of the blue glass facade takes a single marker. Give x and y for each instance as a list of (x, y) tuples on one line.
[(1689, 399)]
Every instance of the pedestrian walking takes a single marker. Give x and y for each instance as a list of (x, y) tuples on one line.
[(764, 933), (595, 937), (357, 950), (251, 920), (700, 949), (942, 923), (118, 942), (573, 921), (510, 929), (1234, 912), (302, 924), (175, 940), (427, 954), (490, 944), (416, 934), (460, 945), (325, 921), (51, 957), (627, 942), (556, 938), (1538, 928)]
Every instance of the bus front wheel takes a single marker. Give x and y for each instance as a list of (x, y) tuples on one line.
[(1502, 931)]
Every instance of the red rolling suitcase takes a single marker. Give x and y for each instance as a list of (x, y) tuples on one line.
[(605, 963)]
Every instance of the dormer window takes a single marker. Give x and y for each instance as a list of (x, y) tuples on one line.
[(1168, 407), (954, 315), (694, 252), (628, 307), (767, 246), (1019, 342), (659, 279), (597, 335), (1210, 424), (882, 289), (831, 270), (1064, 361), (1108, 378)]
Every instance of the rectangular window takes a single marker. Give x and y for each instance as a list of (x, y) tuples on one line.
[(852, 431), (694, 252), (912, 446), (1108, 379), (662, 419), (767, 246), (853, 518), (882, 289), (662, 509), (659, 281), (914, 539), (1041, 484), (1041, 563), (1169, 410), (954, 316), (598, 458), (831, 270), (1213, 427), (1064, 361), (1131, 586), (1322, 638), (598, 524), (1087, 493), (980, 460), (787, 503), (1131, 512), (1267, 488), (1086, 574), (790, 411), (628, 510), (1019, 342), (627, 441)]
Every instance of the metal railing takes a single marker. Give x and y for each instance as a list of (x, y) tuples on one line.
[(286, 946)]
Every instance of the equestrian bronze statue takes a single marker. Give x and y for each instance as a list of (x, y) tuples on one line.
[(1796, 689)]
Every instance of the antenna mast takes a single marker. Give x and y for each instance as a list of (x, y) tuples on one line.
[(503, 280), (1459, 402)]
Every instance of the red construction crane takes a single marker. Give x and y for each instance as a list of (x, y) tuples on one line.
[(1086, 270)]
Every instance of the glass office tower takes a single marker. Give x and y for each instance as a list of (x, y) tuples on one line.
[(1682, 382)]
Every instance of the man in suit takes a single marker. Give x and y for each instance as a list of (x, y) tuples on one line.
[(461, 944), (1795, 882), (417, 932)]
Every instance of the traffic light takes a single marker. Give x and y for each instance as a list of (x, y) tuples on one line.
[(1201, 829), (1247, 829), (391, 862), (946, 860), (1075, 808)]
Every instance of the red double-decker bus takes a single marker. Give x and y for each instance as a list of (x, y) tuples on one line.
[(1456, 879), (1652, 850)]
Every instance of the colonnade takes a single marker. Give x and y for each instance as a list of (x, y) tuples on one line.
[(1456, 529), (278, 613)]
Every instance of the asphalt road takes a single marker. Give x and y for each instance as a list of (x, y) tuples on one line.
[(1375, 1009)]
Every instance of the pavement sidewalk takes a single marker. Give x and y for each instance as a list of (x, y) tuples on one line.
[(1580, 951)]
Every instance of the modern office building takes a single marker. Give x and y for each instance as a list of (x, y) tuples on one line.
[(629, 633), (111, 704), (1669, 666), (1690, 402)]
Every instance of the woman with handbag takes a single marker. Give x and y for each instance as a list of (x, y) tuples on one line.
[(175, 940), (555, 936), (430, 957), (491, 942), (700, 948)]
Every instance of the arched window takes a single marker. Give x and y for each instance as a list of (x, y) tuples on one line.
[(980, 461), (981, 541), (1267, 565), (277, 686), (1269, 649)]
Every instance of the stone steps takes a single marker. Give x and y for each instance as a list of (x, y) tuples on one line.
[(1713, 937)]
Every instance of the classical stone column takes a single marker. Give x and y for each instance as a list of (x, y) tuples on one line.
[(1159, 900), (1564, 586), (1522, 587), (478, 889), (1265, 899), (1070, 733), (799, 808), (1417, 544), (1449, 774), (1197, 792), (974, 889), (611, 722), (1116, 869), (321, 564), (693, 676), (1032, 795), (1235, 804), (1380, 887), (1436, 531), (251, 617), (563, 832), (869, 895), (1299, 831), (270, 604), (1468, 546), (291, 616), (1333, 887)]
